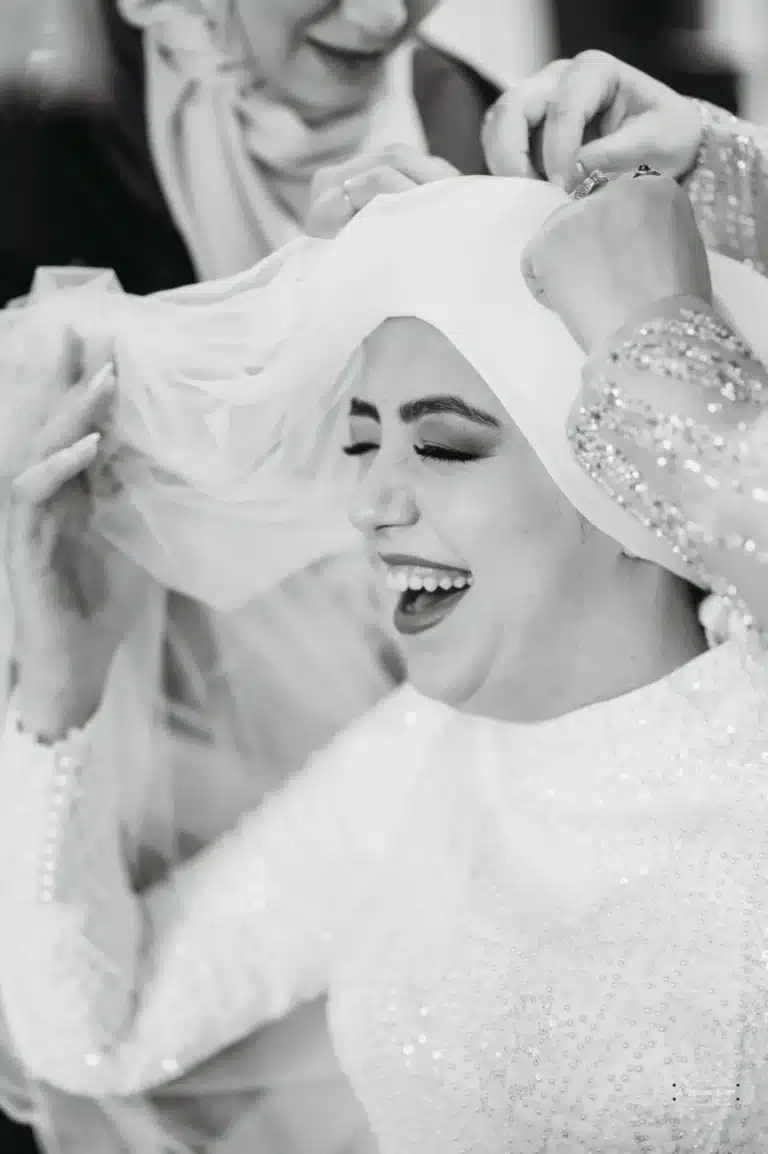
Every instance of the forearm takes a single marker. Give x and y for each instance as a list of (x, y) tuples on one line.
[(728, 187), (109, 994), (671, 420), (73, 928)]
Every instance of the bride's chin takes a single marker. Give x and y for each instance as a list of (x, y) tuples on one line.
[(449, 678)]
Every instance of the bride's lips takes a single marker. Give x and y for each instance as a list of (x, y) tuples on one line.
[(411, 621), (429, 591)]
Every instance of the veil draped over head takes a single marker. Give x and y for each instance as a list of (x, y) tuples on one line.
[(225, 483)]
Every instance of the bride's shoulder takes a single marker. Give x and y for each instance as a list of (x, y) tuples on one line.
[(728, 689), (401, 722), (364, 778), (385, 750)]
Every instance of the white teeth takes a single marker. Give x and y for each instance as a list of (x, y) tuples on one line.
[(397, 581), (400, 580)]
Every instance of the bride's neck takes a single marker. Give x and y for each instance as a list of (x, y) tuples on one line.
[(648, 631), (638, 631)]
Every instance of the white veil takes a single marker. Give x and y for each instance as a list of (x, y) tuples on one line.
[(288, 651), (225, 450)]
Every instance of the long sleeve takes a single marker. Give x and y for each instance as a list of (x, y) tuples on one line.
[(109, 993), (728, 187), (672, 422)]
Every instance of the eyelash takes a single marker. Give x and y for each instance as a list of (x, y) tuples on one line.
[(428, 452)]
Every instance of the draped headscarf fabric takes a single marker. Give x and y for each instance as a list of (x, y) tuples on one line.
[(449, 254), (230, 400), (235, 163)]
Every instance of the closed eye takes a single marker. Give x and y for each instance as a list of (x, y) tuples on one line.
[(441, 453), (360, 448), (426, 451)]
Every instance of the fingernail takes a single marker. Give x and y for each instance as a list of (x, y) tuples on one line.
[(91, 440), (104, 377)]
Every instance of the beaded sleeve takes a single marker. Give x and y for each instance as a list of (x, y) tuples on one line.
[(673, 422), (109, 993), (728, 187)]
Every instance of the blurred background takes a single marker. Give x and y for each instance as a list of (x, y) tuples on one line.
[(717, 49), (713, 49)]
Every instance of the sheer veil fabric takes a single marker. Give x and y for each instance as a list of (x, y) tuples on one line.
[(225, 483), (260, 695)]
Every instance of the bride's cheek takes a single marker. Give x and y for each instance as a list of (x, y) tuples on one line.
[(468, 506)]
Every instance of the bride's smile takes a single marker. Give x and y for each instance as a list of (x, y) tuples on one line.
[(426, 591)]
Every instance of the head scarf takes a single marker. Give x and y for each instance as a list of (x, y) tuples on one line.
[(449, 255), (231, 394)]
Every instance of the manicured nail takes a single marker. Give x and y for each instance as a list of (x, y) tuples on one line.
[(103, 378)]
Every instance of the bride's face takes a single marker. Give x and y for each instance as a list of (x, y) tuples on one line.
[(482, 557), (324, 57)]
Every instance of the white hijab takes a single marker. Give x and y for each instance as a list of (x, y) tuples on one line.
[(232, 394), (235, 165)]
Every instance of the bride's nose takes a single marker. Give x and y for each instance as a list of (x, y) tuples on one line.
[(380, 502), (381, 19)]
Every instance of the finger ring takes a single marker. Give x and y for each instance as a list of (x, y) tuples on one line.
[(645, 170), (590, 184), (348, 198)]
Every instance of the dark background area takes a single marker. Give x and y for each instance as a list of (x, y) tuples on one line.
[(661, 37)]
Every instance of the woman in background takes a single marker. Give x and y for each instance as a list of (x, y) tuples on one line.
[(217, 117)]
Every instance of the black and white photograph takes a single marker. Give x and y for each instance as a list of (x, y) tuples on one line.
[(384, 584)]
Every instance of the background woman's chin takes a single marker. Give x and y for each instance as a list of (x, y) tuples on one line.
[(320, 89)]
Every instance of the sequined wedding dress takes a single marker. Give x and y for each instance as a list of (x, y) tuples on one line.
[(535, 938)]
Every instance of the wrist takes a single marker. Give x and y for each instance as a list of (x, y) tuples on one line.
[(667, 309)]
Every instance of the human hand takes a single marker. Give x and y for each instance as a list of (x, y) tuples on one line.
[(73, 595), (590, 112), (340, 192), (600, 261)]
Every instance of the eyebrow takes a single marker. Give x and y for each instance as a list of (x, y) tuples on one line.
[(427, 407)]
